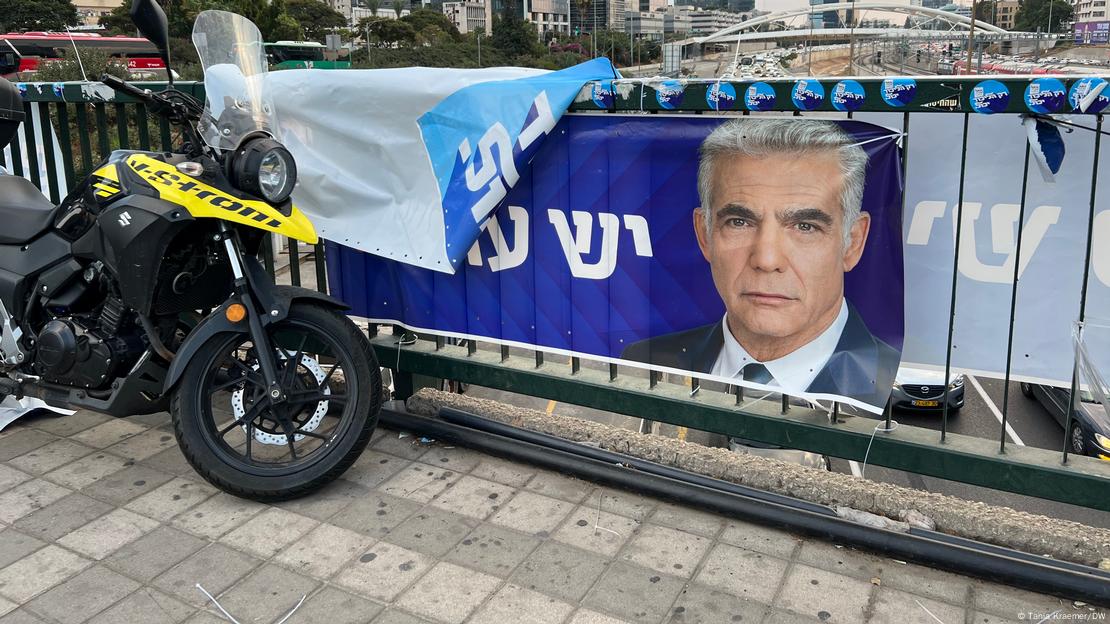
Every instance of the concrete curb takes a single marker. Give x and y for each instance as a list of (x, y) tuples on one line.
[(1030, 533)]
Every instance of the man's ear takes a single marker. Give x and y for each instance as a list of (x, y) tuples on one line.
[(699, 231), (856, 241)]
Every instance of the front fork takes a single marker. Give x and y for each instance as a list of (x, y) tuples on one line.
[(242, 288)]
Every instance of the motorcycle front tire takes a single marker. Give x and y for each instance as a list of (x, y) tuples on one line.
[(196, 441)]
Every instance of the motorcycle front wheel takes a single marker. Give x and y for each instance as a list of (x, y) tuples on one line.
[(248, 445)]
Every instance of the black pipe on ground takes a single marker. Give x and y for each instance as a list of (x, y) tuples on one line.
[(995, 564), (473, 421)]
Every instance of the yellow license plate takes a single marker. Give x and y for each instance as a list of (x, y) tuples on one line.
[(925, 403)]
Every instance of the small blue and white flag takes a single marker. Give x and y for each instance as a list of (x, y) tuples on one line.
[(1046, 145)]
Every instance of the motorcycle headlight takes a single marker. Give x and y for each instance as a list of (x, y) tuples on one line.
[(263, 167)]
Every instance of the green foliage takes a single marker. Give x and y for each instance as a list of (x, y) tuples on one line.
[(423, 19), (514, 36), (984, 11), (373, 5), (398, 6), (393, 33), (1033, 15), (24, 15), (67, 68), (316, 18)]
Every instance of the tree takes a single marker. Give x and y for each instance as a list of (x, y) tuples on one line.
[(38, 15), (398, 6), (373, 5), (316, 18), (512, 35), (984, 11), (94, 62), (393, 32), (424, 19), (1033, 15)]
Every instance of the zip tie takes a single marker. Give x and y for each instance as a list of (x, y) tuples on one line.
[(918, 604), (878, 428), (218, 605), (292, 611), (597, 522)]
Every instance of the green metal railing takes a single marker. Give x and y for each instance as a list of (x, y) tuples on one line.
[(87, 133)]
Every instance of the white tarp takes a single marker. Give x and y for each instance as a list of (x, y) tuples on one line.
[(408, 163)]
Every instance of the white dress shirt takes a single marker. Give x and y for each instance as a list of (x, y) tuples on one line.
[(793, 371)]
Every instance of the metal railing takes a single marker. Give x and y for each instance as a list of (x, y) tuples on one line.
[(87, 133)]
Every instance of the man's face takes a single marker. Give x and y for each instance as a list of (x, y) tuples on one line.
[(776, 246)]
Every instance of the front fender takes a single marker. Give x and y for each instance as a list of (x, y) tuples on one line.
[(278, 300)]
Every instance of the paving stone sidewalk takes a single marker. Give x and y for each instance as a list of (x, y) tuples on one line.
[(103, 521)]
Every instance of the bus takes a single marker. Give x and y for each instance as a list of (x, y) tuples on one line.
[(302, 55), (22, 53)]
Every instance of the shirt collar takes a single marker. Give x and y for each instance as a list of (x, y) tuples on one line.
[(793, 371)]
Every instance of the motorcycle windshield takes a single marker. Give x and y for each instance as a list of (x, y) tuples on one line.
[(234, 61)]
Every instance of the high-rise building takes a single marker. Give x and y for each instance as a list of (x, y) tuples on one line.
[(1005, 13), (595, 15), (829, 19), (468, 16), (1091, 22), (549, 16)]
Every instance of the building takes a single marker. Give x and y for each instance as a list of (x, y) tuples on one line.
[(343, 7), (359, 13), (645, 24), (549, 16), (1005, 13), (674, 22), (929, 4), (1091, 22), (705, 21), (90, 11), (1089, 11), (468, 16), (828, 19), (593, 15)]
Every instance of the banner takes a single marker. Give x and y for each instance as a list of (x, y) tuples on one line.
[(408, 163), (1053, 248), (601, 250)]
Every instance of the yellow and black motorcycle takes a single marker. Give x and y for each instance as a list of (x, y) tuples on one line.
[(275, 392)]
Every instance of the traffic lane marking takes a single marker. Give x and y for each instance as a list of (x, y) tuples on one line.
[(994, 410)]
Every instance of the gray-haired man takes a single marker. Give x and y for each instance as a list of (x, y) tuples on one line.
[(780, 223)]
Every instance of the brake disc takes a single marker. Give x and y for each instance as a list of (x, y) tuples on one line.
[(273, 435)]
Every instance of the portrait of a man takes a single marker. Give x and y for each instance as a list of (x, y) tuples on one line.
[(780, 223)]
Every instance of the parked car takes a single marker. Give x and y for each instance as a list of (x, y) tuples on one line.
[(1090, 426), (918, 389)]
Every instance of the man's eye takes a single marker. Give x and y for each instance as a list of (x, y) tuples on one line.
[(737, 222), (807, 227)]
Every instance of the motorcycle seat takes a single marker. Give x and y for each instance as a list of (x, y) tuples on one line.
[(24, 212)]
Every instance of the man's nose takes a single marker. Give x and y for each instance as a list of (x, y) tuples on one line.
[(768, 253)]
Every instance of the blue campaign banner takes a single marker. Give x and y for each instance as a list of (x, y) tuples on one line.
[(596, 252)]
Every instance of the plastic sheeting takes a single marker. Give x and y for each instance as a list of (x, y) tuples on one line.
[(408, 163)]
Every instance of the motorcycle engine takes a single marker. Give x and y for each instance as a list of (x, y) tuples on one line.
[(70, 353)]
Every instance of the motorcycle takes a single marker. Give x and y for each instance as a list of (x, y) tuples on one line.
[(274, 392)]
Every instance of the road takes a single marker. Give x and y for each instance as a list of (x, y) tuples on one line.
[(1028, 422)]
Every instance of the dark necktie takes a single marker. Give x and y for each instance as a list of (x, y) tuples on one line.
[(756, 372)]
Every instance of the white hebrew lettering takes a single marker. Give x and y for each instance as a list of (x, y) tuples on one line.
[(641, 237), (921, 225), (541, 125), (504, 258), (1003, 216), (577, 244)]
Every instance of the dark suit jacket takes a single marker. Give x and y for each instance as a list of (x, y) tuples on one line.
[(862, 366)]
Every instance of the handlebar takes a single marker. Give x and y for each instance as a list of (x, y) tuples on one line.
[(125, 87)]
